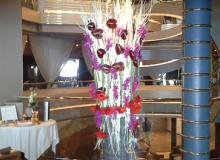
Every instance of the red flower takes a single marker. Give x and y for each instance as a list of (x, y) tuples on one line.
[(101, 135), (111, 110), (101, 96), (95, 109), (121, 109), (129, 105), (108, 111), (111, 23), (136, 108), (124, 34), (137, 99), (97, 33), (91, 26)]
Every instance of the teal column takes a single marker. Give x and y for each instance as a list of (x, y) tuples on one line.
[(196, 79)]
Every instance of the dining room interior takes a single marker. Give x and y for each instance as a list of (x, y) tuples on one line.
[(109, 79)]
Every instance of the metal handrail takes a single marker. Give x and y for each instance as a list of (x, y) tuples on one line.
[(156, 100), (162, 100), (58, 82), (88, 81), (145, 101)]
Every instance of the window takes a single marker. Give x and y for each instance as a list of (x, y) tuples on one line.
[(70, 69)]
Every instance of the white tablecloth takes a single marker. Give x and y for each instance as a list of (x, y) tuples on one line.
[(32, 140)]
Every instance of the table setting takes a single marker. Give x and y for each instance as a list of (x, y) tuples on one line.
[(31, 139), (29, 134)]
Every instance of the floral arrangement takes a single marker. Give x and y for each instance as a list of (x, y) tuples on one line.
[(32, 98), (114, 32)]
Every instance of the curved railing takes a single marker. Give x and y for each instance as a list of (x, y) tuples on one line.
[(215, 107), (77, 82), (68, 13)]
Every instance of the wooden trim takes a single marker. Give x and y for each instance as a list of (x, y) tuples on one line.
[(31, 15)]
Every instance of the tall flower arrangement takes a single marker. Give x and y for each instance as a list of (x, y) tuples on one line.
[(114, 32), (32, 98)]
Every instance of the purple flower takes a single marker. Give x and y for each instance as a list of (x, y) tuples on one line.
[(137, 51), (135, 84), (141, 31), (127, 99), (115, 91), (133, 123), (127, 50), (126, 83), (92, 90), (87, 39), (113, 72), (95, 63), (88, 46), (109, 43), (98, 119)]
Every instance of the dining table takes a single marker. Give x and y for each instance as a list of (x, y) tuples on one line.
[(31, 139)]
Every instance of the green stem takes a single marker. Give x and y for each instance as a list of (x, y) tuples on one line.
[(121, 87)]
